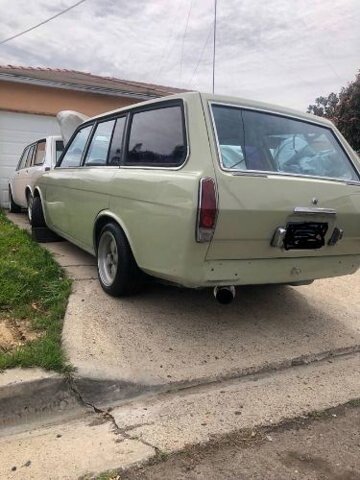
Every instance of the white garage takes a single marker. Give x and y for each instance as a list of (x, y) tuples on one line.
[(16, 131)]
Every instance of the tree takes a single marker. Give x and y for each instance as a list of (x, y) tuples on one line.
[(343, 109), (325, 106)]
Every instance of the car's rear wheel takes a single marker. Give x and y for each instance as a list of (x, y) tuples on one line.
[(30, 201), (40, 232), (118, 272), (37, 214), (13, 207)]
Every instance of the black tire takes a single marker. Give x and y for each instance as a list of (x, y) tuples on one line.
[(40, 232), (301, 283), (118, 272), (44, 235), (14, 207), (30, 201), (38, 219)]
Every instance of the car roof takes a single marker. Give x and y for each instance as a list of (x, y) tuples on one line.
[(236, 101), (44, 139)]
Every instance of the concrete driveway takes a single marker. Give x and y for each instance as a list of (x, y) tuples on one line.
[(168, 336)]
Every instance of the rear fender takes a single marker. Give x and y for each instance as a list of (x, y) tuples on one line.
[(108, 214)]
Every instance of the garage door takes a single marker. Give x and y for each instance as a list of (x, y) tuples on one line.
[(16, 131)]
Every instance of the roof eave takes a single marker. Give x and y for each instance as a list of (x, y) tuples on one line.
[(80, 88)]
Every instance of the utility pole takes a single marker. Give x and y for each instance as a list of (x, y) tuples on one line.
[(214, 48)]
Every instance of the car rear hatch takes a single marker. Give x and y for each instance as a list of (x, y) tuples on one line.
[(68, 121), (286, 188)]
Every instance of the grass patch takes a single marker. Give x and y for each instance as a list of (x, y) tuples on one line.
[(33, 288)]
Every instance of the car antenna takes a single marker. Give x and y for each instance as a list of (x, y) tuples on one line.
[(214, 48)]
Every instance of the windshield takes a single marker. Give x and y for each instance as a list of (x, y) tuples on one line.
[(250, 140)]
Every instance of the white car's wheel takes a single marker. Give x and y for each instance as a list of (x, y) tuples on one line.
[(30, 201)]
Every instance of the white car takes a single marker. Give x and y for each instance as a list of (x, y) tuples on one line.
[(37, 158)]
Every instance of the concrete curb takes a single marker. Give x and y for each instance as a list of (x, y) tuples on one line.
[(25, 395), (100, 393)]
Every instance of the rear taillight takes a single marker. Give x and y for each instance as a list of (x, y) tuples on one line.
[(207, 210)]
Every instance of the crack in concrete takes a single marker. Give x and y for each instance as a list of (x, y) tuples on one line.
[(124, 432), (184, 388), (106, 415), (188, 389)]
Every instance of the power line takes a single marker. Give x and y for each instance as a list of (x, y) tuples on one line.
[(201, 55), (41, 23), (183, 39), (167, 51)]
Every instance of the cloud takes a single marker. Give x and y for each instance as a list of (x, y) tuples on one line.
[(276, 51)]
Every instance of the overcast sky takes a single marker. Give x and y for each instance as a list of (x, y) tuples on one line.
[(280, 51)]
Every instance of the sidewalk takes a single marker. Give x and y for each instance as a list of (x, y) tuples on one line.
[(325, 447), (157, 426)]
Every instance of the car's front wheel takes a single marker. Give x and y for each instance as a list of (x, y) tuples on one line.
[(118, 272)]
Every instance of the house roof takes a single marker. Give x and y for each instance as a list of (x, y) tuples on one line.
[(83, 81)]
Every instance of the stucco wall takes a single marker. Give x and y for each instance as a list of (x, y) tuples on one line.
[(18, 97)]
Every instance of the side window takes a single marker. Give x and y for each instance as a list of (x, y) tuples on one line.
[(99, 145), (230, 133), (157, 138), (59, 148), (30, 156), (23, 158), (73, 155), (40, 153), (116, 145)]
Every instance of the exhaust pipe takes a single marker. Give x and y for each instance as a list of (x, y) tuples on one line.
[(224, 295)]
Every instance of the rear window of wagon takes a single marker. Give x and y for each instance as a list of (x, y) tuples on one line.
[(263, 142)]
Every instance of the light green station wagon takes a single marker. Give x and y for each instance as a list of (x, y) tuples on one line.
[(206, 191)]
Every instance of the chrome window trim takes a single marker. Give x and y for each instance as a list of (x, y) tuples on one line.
[(37, 145), (187, 156), (90, 139), (125, 112), (264, 173), (107, 167)]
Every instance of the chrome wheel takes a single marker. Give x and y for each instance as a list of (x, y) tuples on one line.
[(108, 258)]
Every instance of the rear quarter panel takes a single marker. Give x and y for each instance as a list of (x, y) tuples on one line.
[(158, 207)]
